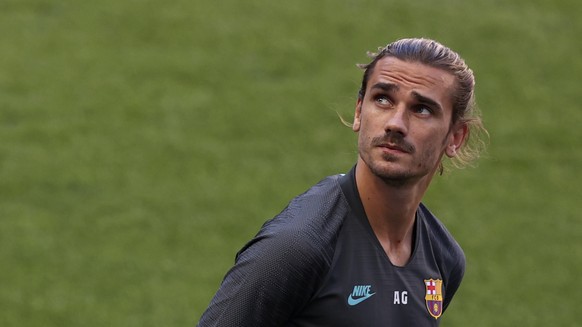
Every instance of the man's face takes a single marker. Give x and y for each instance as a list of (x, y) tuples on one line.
[(404, 121)]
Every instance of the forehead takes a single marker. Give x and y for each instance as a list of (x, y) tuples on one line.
[(414, 76)]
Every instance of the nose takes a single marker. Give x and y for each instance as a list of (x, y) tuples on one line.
[(397, 121)]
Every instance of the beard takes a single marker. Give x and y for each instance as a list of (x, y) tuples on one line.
[(397, 170)]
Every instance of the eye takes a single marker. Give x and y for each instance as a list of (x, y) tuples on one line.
[(382, 100), (423, 110)]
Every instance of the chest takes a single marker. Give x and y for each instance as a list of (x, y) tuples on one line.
[(363, 288)]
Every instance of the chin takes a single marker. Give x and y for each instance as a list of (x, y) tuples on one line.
[(394, 173), (391, 172)]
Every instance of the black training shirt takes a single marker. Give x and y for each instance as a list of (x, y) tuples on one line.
[(318, 263)]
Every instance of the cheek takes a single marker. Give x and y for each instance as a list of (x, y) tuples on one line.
[(363, 127), (363, 139), (433, 149)]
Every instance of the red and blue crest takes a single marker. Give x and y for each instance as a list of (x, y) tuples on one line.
[(434, 297)]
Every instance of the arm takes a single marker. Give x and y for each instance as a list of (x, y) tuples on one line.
[(273, 277), (455, 278)]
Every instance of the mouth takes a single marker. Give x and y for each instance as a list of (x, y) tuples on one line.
[(393, 144), (394, 148)]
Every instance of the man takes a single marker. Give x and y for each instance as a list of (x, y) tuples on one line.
[(361, 249)]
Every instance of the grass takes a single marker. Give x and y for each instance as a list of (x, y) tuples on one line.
[(143, 142)]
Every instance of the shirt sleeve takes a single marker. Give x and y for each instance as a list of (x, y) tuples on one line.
[(455, 278), (279, 271), (274, 276)]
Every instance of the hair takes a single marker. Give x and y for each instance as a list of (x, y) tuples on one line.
[(465, 111)]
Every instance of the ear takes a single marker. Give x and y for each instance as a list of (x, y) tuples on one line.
[(456, 139), (357, 116)]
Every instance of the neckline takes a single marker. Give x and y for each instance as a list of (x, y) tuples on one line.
[(350, 190)]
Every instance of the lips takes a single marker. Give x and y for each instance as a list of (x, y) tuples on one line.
[(398, 145), (393, 142), (394, 147)]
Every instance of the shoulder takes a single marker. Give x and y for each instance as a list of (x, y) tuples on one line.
[(446, 249), (278, 271), (307, 226), (447, 252), (294, 250)]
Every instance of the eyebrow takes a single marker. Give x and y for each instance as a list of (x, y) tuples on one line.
[(426, 100), (388, 87)]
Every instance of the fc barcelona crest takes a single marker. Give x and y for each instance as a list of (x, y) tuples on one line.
[(434, 297)]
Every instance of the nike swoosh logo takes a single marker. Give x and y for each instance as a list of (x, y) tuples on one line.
[(352, 301)]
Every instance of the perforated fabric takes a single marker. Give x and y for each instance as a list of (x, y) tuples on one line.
[(278, 271), (306, 265)]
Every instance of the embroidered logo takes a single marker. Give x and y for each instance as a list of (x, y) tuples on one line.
[(434, 297), (360, 294)]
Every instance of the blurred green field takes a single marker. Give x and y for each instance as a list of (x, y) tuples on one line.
[(143, 142)]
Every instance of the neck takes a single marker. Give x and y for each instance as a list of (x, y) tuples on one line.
[(391, 210)]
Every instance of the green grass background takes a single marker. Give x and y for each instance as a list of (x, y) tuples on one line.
[(142, 142)]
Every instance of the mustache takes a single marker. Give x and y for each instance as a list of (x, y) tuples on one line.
[(393, 139)]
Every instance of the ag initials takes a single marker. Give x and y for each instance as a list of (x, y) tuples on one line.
[(400, 297)]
